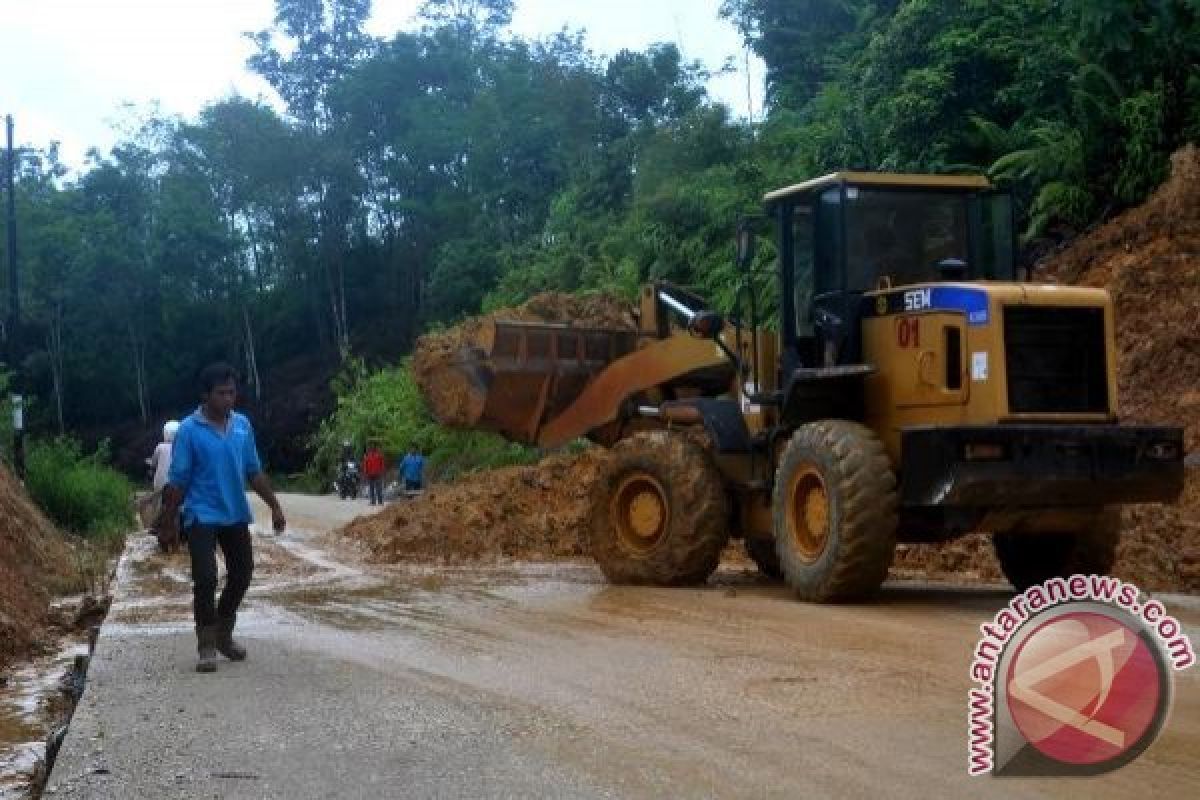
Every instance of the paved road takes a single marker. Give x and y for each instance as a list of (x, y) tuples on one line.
[(543, 681)]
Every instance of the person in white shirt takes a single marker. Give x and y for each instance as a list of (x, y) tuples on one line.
[(160, 461)]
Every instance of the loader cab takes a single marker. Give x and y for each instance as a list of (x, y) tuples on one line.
[(847, 234)]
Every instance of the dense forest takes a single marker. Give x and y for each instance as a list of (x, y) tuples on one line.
[(410, 181)]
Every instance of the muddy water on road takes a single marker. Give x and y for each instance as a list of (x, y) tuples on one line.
[(727, 691), (733, 690), (34, 703)]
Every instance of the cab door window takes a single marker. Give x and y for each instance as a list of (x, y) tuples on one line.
[(829, 248), (803, 260)]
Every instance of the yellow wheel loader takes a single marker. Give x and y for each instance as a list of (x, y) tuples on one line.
[(914, 390)]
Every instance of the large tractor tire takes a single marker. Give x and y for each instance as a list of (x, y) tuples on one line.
[(1031, 557), (834, 508), (762, 553), (659, 512)]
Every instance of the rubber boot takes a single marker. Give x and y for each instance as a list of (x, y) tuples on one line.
[(206, 647), (225, 643)]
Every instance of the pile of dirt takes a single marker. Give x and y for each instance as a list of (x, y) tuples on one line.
[(1149, 259), (969, 559), (448, 393), (34, 560), (515, 513)]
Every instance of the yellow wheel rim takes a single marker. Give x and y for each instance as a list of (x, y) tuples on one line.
[(640, 511), (808, 513)]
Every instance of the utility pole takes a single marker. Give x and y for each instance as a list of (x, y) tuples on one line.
[(13, 328)]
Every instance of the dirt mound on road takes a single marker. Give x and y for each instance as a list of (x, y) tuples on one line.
[(516, 513), (34, 560), (968, 559), (447, 392), (1160, 549)]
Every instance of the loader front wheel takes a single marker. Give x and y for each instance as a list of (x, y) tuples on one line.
[(658, 512), (1031, 557), (834, 506)]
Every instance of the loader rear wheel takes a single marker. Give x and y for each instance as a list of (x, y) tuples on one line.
[(1030, 557), (659, 512), (762, 553), (834, 507)]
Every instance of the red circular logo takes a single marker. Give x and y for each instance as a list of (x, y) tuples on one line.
[(1085, 688)]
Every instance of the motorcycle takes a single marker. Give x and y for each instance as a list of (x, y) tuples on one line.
[(348, 480)]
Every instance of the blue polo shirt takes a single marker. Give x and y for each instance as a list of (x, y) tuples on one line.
[(211, 469), (412, 466)]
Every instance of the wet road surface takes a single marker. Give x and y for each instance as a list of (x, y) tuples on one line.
[(541, 680)]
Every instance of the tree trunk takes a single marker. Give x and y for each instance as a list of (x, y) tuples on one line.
[(255, 256), (54, 347), (336, 287), (138, 346), (251, 354)]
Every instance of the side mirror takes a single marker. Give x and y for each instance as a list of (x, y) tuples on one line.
[(706, 325), (745, 244)]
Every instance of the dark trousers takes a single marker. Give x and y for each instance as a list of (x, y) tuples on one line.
[(412, 486), (202, 541), (375, 490)]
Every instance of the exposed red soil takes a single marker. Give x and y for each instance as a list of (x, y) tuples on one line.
[(35, 560), (533, 513)]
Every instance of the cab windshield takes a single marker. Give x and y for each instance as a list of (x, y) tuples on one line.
[(902, 235)]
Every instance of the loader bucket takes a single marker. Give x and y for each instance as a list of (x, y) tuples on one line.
[(517, 375)]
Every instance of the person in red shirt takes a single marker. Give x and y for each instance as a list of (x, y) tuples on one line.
[(374, 467)]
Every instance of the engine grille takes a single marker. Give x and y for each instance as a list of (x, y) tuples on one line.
[(1055, 359)]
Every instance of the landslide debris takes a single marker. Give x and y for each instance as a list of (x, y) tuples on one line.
[(449, 394), (35, 561), (514, 513)]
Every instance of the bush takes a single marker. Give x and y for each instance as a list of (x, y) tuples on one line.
[(79, 492), (387, 407)]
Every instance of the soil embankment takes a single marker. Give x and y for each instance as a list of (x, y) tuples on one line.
[(35, 562)]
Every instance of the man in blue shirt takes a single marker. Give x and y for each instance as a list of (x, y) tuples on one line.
[(213, 458), (412, 468)]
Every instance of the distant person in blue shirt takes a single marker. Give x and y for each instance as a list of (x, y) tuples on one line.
[(412, 469), (213, 458)]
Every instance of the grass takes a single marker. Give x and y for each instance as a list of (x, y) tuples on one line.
[(79, 492)]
